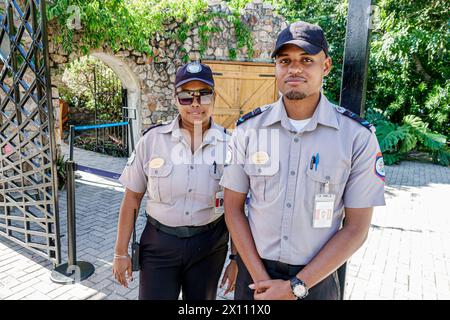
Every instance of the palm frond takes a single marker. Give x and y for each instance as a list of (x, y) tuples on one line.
[(389, 135)]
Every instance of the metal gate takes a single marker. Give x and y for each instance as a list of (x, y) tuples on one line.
[(109, 99), (28, 190)]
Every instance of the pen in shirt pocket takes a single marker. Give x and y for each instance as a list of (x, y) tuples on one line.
[(317, 161), (313, 160)]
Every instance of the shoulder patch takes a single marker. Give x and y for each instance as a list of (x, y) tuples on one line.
[(379, 166), (153, 127), (355, 117), (252, 114)]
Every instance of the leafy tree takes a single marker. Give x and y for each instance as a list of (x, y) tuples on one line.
[(408, 69), (409, 62)]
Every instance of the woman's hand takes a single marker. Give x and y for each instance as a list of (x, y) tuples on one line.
[(121, 269), (230, 274)]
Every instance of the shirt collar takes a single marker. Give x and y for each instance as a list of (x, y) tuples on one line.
[(172, 126), (213, 134), (324, 114)]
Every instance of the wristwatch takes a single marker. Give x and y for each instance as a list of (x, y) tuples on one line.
[(299, 288)]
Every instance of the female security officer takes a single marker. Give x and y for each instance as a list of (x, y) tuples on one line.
[(179, 165)]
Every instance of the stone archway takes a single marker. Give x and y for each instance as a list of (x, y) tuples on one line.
[(123, 68), (130, 82)]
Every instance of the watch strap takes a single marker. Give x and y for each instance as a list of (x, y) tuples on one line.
[(232, 257), (298, 282)]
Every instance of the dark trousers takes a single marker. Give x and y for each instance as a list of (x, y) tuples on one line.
[(327, 289), (170, 264)]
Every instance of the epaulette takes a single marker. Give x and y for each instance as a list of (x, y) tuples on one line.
[(355, 117), (252, 114), (153, 127)]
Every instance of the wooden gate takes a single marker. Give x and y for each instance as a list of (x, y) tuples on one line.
[(241, 87)]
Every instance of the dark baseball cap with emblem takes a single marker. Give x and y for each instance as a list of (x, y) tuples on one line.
[(194, 71), (309, 37)]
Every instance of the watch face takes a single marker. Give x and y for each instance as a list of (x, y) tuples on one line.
[(299, 290)]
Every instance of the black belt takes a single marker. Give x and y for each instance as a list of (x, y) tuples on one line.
[(283, 268), (184, 231)]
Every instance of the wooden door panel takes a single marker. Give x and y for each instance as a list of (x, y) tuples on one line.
[(240, 88)]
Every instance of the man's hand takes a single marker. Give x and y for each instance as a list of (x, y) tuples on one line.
[(273, 290)]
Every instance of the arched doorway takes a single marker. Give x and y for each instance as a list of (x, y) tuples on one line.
[(131, 83), (101, 89)]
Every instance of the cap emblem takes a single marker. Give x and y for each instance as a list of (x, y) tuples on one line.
[(194, 68)]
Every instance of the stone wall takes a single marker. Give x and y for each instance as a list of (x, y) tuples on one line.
[(155, 75), (264, 27)]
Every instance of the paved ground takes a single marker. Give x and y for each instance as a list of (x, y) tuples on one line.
[(407, 254)]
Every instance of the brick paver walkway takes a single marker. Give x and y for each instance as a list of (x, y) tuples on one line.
[(406, 256)]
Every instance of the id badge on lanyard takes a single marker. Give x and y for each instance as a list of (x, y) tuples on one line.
[(323, 207), (219, 208)]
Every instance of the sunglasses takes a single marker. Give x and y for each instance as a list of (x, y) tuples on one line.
[(186, 98)]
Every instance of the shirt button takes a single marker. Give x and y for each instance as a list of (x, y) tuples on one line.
[(285, 238), (187, 213), (260, 170), (296, 139), (192, 167), (288, 205), (292, 173), (190, 190)]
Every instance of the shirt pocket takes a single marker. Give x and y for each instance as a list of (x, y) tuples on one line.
[(160, 183), (315, 183), (264, 181)]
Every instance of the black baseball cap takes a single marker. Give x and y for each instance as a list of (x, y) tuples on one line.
[(309, 37), (194, 71)]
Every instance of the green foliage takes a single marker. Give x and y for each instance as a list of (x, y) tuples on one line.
[(79, 90), (131, 23), (413, 134), (120, 23), (409, 62)]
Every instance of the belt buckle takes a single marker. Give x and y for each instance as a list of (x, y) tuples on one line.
[(183, 232)]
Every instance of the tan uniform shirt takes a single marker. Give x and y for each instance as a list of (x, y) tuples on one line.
[(181, 187), (271, 160)]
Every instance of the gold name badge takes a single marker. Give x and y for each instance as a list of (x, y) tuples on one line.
[(260, 157), (156, 163)]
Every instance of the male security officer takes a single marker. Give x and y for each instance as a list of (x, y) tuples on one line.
[(307, 163)]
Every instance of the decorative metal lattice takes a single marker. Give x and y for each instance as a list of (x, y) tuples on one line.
[(28, 186)]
